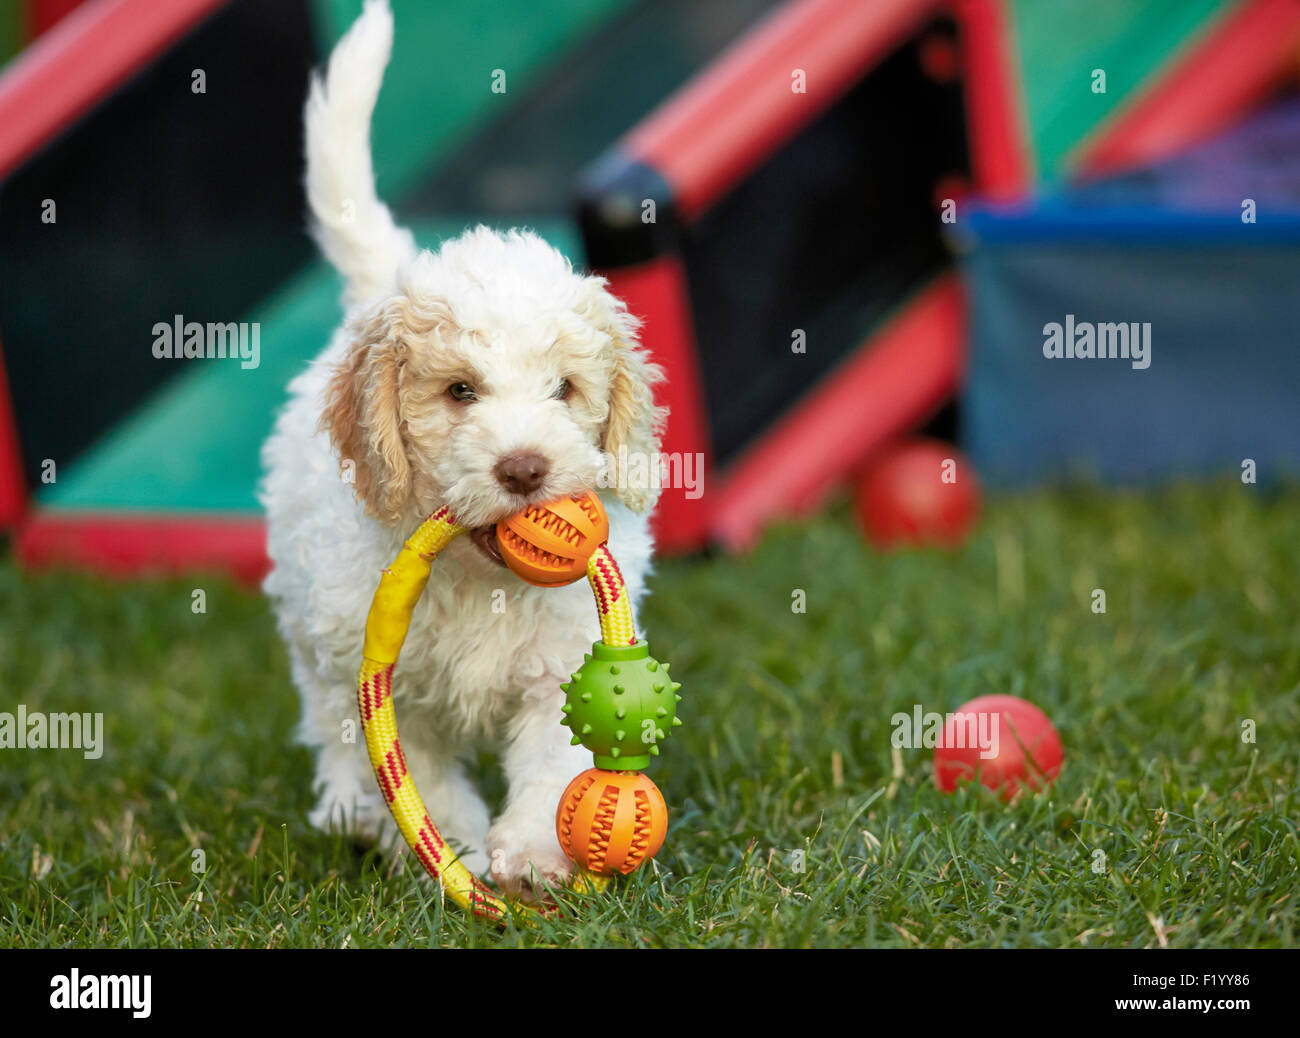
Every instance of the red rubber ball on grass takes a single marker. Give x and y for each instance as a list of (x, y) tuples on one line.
[(1025, 750), (918, 492)]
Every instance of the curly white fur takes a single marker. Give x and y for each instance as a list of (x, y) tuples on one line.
[(371, 441)]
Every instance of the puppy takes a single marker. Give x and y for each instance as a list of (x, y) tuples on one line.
[(485, 376)]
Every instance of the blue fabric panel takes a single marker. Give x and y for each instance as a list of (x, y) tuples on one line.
[(1224, 378), (1165, 245)]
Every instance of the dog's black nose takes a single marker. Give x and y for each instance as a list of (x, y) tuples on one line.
[(522, 473)]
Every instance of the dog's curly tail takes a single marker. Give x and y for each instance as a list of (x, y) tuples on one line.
[(354, 229)]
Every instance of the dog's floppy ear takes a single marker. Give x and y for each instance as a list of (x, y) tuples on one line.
[(635, 423), (363, 412)]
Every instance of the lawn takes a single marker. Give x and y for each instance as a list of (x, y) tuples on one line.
[(794, 821)]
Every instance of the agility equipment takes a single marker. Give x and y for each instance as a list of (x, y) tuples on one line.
[(222, 243), (1002, 85), (877, 294), (620, 703)]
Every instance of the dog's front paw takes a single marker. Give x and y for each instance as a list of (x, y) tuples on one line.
[(525, 864), (362, 816)]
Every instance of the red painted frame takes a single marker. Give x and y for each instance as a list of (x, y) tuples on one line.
[(126, 545), (1001, 157), (75, 64), (13, 484), (657, 289), (722, 124), (43, 15)]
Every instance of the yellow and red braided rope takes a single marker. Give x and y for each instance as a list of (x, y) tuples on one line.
[(612, 602), (400, 589)]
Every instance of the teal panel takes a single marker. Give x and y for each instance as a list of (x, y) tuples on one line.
[(194, 446), (1060, 44), (438, 86)]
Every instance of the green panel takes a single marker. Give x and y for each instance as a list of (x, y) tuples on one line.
[(438, 86), (195, 445), (12, 29), (1061, 42)]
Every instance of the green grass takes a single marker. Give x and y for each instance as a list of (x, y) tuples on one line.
[(785, 749)]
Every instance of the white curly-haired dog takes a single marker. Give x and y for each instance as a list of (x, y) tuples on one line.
[(485, 376)]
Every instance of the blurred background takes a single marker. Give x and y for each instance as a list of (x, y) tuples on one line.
[(864, 216)]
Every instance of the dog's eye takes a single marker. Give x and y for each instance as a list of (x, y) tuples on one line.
[(461, 391), (563, 390)]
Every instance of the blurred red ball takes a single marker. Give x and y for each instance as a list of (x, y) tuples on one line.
[(918, 492), (1028, 748)]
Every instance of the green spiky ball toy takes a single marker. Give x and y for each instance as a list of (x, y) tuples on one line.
[(621, 704)]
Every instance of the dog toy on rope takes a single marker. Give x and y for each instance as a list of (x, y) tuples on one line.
[(620, 703)]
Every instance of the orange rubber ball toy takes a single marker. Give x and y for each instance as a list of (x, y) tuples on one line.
[(549, 545), (611, 821)]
